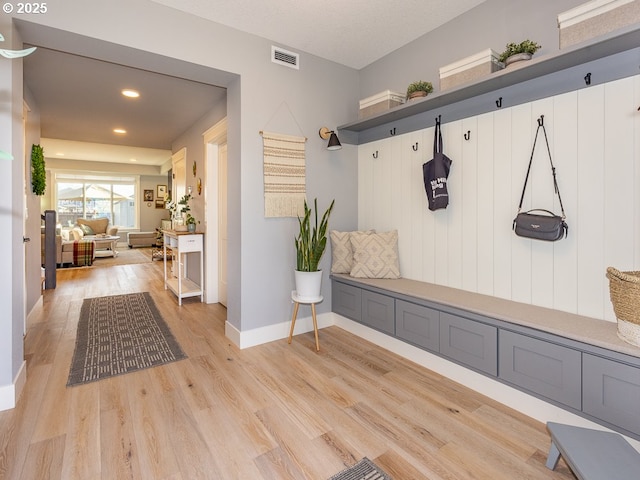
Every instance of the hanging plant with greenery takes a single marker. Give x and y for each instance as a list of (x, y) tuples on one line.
[(38, 174)]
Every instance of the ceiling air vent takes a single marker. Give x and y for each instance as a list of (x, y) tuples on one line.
[(284, 57)]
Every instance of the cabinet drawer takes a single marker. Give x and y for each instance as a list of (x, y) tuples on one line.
[(418, 325), (346, 300), (378, 311), (611, 392), (190, 243), (543, 368), (468, 342)]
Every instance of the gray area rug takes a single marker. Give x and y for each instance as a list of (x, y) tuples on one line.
[(365, 469), (120, 334)]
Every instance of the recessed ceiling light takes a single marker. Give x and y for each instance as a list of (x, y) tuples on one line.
[(130, 93), (60, 154), (119, 131), (133, 159)]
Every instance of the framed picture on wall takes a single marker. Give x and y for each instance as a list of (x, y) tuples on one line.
[(159, 203), (161, 191), (148, 195)]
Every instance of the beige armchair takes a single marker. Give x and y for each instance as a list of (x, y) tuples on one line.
[(96, 226)]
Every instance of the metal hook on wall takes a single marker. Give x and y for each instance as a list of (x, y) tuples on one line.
[(587, 78), (438, 119), (392, 131), (499, 103), (415, 147), (467, 135), (375, 155)]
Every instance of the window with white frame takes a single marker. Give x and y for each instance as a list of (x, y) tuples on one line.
[(96, 196)]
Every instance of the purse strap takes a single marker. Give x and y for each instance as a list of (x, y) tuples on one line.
[(553, 169), (437, 138)]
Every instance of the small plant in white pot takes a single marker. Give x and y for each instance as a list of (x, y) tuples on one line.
[(515, 52), (311, 243)]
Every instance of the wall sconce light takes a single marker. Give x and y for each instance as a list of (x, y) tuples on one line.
[(334, 143)]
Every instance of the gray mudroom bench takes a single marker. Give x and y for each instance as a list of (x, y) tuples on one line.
[(574, 362)]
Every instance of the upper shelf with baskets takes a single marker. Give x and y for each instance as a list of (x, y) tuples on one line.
[(569, 69)]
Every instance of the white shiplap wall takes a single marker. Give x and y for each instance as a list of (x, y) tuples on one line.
[(594, 136)]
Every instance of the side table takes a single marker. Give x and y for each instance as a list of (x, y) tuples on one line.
[(297, 300)]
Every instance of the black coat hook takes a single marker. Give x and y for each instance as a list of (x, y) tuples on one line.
[(587, 78), (499, 103), (392, 131), (467, 135), (415, 147), (375, 155), (541, 120), (438, 119)]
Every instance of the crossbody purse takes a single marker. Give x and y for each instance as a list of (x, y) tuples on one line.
[(541, 224)]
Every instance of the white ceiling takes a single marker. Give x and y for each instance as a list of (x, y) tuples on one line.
[(351, 32), (80, 102)]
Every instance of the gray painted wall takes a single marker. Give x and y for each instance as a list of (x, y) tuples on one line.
[(491, 24), (193, 141)]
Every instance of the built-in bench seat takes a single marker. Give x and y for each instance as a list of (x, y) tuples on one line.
[(575, 362), (600, 333)]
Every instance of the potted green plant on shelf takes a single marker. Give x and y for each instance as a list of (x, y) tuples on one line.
[(419, 89), (191, 223), (310, 246), (178, 211), (515, 52)]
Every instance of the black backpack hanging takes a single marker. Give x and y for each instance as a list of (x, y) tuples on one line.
[(546, 226), (435, 173)]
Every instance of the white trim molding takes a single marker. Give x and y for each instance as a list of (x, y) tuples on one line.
[(10, 394)]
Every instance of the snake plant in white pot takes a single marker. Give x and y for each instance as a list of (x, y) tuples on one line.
[(311, 243)]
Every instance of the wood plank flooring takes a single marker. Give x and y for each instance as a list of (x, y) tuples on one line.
[(275, 411)]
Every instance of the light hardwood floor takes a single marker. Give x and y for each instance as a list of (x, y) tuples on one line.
[(275, 411)]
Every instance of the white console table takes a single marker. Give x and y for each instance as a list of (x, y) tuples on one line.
[(182, 244)]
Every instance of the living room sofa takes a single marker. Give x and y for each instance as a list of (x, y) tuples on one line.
[(64, 250)]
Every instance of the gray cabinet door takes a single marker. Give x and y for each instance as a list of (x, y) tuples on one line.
[(611, 392), (418, 325), (378, 311), (545, 369), (471, 343), (346, 300)]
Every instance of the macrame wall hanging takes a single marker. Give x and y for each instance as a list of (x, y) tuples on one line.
[(284, 172), (284, 175)]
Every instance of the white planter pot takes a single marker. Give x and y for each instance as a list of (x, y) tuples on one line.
[(308, 284)]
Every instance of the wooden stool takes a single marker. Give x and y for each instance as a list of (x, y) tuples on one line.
[(307, 301), (592, 454)]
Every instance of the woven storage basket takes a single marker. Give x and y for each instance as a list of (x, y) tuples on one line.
[(624, 289)]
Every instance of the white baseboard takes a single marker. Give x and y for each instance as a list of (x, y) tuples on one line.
[(9, 394), (278, 331)]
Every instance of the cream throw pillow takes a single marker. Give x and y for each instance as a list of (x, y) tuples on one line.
[(341, 251), (375, 255)]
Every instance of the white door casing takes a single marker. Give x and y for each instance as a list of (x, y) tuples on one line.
[(215, 188)]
